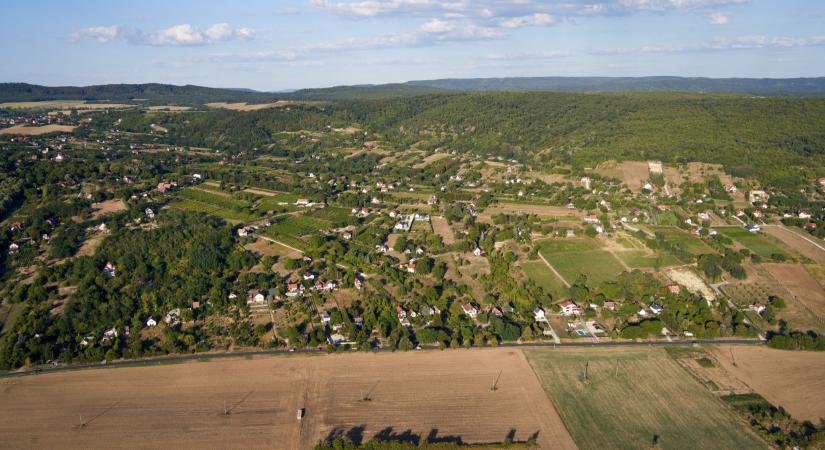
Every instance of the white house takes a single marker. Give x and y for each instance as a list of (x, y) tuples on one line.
[(470, 310), (538, 315), (150, 322), (569, 308)]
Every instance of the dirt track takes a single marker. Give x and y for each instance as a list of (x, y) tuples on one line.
[(793, 380), (182, 406)]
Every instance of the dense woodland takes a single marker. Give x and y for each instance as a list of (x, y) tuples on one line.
[(776, 140)]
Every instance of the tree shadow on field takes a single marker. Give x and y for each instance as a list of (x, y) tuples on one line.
[(388, 434), (354, 434)]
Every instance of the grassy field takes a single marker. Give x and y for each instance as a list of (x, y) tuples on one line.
[(692, 244), (757, 243), (216, 204), (541, 274), (331, 214), (572, 257), (635, 399), (228, 214), (641, 260)]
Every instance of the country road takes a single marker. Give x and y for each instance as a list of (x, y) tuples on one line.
[(208, 356)]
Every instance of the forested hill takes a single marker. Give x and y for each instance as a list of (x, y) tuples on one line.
[(152, 93), (754, 86), (780, 140)]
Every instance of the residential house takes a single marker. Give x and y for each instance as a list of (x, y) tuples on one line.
[(150, 322), (538, 315), (470, 310), (255, 297), (569, 308)]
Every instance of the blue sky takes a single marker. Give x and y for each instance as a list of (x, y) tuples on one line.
[(273, 45)]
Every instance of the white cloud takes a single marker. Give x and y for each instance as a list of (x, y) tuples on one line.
[(718, 18), (97, 34), (721, 44), (532, 20), (528, 55), (437, 26), (177, 35)]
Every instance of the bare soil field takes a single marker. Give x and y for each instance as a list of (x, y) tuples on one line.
[(632, 173), (107, 207), (37, 131), (269, 248), (442, 228), (90, 245), (807, 246), (794, 380), (412, 396), (691, 282), (801, 284)]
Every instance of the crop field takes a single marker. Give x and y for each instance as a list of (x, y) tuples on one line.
[(799, 241), (692, 244), (794, 380), (638, 259), (763, 246), (572, 257), (252, 403), (635, 399), (298, 225), (632, 173), (229, 214), (62, 104), (219, 199), (36, 131), (547, 280), (331, 214), (802, 286)]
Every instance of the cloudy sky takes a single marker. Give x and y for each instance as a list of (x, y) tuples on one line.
[(285, 44)]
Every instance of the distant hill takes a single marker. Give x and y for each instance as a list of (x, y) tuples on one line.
[(152, 93), (155, 93), (754, 86), (364, 91)]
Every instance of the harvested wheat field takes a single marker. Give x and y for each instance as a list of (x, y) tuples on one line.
[(802, 285), (794, 380), (255, 106), (37, 131), (807, 246), (411, 395)]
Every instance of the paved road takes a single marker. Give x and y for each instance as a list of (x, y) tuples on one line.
[(208, 356)]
